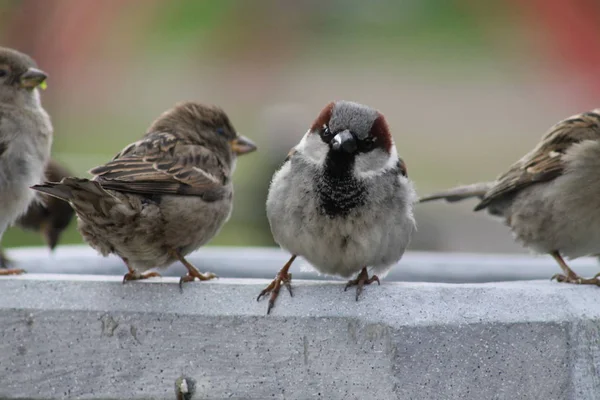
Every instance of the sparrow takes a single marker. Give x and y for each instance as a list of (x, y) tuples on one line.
[(163, 196), (25, 136), (47, 215), (548, 197), (342, 199)]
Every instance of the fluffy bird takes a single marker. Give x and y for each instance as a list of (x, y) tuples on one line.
[(342, 199), (48, 215), (162, 197), (547, 198), (25, 136)]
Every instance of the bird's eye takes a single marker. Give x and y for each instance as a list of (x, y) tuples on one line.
[(221, 131), (367, 145), (3, 73), (326, 131)]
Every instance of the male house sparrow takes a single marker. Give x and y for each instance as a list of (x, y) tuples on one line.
[(342, 199), (48, 215), (549, 197), (25, 136), (162, 197)]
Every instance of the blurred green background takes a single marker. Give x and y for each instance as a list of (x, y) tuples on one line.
[(468, 86)]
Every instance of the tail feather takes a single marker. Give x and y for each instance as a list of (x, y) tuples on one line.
[(55, 189), (460, 193), (80, 193)]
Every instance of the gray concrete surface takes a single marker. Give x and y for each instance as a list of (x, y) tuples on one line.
[(91, 337), (261, 262)]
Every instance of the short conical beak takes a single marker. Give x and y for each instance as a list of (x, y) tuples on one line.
[(344, 141), (33, 78), (242, 145)]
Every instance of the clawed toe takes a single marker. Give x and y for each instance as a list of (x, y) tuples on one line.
[(13, 271), (192, 275), (559, 278), (282, 277), (362, 280), (569, 275), (577, 280), (135, 276), (274, 287)]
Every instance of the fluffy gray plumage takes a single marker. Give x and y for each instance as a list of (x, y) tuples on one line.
[(25, 134), (548, 198), (49, 215), (374, 234), (343, 210)]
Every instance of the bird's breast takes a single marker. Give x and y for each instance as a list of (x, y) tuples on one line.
[(339, 191)]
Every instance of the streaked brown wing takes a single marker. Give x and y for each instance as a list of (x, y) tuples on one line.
[(161, 164), (544, 162)]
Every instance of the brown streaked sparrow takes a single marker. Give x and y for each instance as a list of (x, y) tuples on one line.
[(548, 197), (25, 136), (342, 198), (162, 197)]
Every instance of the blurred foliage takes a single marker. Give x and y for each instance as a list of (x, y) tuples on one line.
[(438, 69)]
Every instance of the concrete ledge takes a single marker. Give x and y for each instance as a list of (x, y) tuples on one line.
[(264, 262), (90, 337)]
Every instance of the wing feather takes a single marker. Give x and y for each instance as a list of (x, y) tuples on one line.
[(163, 164), (544, 162)]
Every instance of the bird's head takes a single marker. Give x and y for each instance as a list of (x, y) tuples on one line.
[(350, 135), (19, 78), (205, 125)]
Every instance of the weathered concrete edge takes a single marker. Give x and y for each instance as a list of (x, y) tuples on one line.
[(544, 306), (264, 262), (392, 303)]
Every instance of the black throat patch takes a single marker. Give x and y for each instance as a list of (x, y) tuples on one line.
[(339, 191)]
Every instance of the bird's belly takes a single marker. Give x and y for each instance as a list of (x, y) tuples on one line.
[(15, 192), (545, 222), (13, 204), (368, 235), (147, 237), (342, 245), (191, 222)]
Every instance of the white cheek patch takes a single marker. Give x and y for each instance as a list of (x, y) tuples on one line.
[(313, 148), (375, 163)]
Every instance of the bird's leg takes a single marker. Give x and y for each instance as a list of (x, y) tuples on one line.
[(570, 276), (192, 271), (133, 275), (5, 263), (283, 276), (361, 280), (12, 271)]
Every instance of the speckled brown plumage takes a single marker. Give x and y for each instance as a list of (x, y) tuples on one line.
[(549, 198), (163, 196)]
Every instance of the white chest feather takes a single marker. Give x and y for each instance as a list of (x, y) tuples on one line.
[(375, 234), (26, 143)]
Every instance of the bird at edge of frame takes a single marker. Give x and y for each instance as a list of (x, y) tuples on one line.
[(163, 196), (25, 136), (550, 197), (48, 215), (342, 199)]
